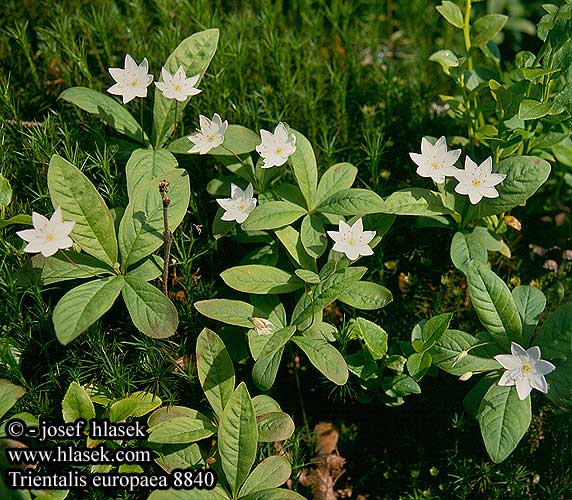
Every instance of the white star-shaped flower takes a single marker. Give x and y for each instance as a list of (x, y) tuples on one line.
[(276, 147), (239, 205), (178, 86), (132, 81), (48, 236), (478, 181), (435, 161), (210, 136), (525, 369), (352, 240)]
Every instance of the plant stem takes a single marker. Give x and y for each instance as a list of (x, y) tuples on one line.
[(175, 126), (467, 34), (167, 235), (299, 390)]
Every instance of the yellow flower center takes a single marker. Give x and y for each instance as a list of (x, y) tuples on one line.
[(435, 165), (242, 206), (526, 368), (351, 242), (211, 138), (476, 182), (278, 150), (177, 88), (50, 237), (134, 83)]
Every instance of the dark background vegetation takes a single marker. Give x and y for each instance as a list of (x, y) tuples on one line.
[(353, 76)]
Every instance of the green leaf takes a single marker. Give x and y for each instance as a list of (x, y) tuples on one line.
[(525, 174), (135, 405), (555, 335), (215, 370), (5, 192), (151, 311), (415, 201), (373, 336), (9, 394), (81, 202), (458, 352), (274, 494), (472, 401), (268, 361), (272, 472), (303, 163), (504, 419), (142, 226), (180, 430), (367, 296), (418, 363), (148, 269), (494, 305), (274, 426), (530, 303), (397, 386), (238, 438), (313, 235), (231, 312), (434, 328), (187, 458), (69, 265), (530, 109), (77, 404), (264, 404), (292, 242), (560, 384), (464, 249), (146, 164), (105, 108), (17, 219), (337, 177), (272, 215), (261, 279), (309, 277), (446, 58), (352, 202), (326, 358), (327, 291), (82, 306), (486, 28), (194, 54), (452, 13), (238, 140)]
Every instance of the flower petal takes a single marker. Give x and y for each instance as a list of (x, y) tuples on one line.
[(523, 387), (544, 367), (509, 361), (539, 383), (517, 349)]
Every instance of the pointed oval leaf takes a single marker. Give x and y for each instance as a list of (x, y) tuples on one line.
[(464, 249), (81, 202), (180, 430), (373, 336), (67, 265), (326, 292), (525, 174), (494, 305), (77, 404), (231, 312), (292, 242), (258, 279), (146, 164), (303, 163), (105, 108), (353, 201), (135, 405), (274, 426), (530, 303), (486, 28), (9, 394), (452, 13), (194, 54), (272, 472), (367, 296), (326, 358), (313, 235), (337, 177), (415, 201), (504, 419), (151, 311), (238, 438), (215, 370), (82, 306), (272, 215)]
